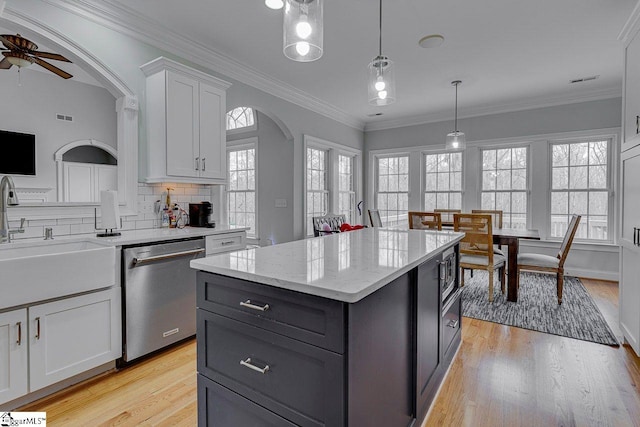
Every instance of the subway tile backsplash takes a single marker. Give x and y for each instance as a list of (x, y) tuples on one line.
[(148, 194)]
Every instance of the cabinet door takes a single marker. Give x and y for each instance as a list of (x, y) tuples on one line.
[(212, 132), (78, 182), (73, 335), (182, 126), (630, 255), (13, 355), (631, 93), (427, 330)]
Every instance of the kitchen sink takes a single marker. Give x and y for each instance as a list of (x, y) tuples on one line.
[(46, 270)]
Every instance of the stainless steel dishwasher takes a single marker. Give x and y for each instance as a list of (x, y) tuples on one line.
[(159, 295)]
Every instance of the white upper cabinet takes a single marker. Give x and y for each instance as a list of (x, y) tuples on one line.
[(631, 98), (186, 135)]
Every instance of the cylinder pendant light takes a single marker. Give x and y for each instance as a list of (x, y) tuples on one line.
[(302, 31), (381, 78), (456, 139)]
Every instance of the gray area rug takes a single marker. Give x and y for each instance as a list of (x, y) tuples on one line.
[(537, 307)]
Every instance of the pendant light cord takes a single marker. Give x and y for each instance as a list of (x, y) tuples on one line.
[(380, 28), (456, 115)]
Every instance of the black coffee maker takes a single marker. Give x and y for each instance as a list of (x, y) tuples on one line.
[(200, 215)]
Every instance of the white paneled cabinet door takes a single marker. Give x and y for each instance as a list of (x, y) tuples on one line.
[(632, 94), (212, 132), (630, 247), (73, 335), (182, 126), (13, 355)]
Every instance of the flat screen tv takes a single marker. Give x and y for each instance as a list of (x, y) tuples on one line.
[(18, 153)]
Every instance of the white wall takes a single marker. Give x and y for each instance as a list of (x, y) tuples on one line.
[(536, 127), (32, 107)]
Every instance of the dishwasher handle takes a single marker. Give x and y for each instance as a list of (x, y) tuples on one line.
[(138, 261)]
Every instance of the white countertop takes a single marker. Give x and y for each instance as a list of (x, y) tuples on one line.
[(344, 266), (129, 237)]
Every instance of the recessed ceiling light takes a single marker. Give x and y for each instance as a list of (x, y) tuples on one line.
[(374, 114), (432, 40), (583, 79)]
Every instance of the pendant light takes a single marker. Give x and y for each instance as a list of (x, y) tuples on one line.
[(274, 4), (381, 81), (456, 139), (302, 32)]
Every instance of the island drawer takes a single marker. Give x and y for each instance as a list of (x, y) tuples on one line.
[(314, 320), (451, 322), (220, 407), (298, 381)]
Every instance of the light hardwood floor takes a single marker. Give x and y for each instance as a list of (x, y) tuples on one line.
[(502, 376)]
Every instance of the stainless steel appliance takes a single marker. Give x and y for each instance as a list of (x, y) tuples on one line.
[(448, 269), (159, 295), (200, 215)]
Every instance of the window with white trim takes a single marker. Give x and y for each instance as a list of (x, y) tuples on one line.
[(504, 184), (392, 189), (443, 181), (317, 185), (346, 188), (241, 191), (241, 118), (580, 184)]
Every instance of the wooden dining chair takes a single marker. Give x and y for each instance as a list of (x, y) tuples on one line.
[(374, 217), (496, 222), (425, 220), (551, 264), (447, 215), (476, 248)]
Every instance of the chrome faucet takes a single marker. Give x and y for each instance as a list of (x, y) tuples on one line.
[(8, 197)]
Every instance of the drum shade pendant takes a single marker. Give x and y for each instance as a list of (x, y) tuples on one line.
[(302, 31), (456, 140), (382, 79)]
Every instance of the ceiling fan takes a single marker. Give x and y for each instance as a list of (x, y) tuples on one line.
[(23, 52)]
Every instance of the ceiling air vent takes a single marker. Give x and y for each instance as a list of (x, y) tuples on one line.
[(64, 118), (374, 114), (583, 79)]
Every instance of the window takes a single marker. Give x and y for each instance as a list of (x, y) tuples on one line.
[(241, 191), (443, 181), (346, 188), (392, 189), (241, 117), (580, 185), (504, 184), (317, 185)]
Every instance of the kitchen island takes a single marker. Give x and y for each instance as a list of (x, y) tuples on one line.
[(354, 329)]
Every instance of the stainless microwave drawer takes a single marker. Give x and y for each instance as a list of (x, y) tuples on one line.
[(314, 320), (298, 381)]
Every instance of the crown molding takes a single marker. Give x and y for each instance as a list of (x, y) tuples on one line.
[(530, 104), (131, 23), (631, 26)]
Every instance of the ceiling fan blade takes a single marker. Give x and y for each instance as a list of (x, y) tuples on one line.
[(52, 68), (5, 64), (8, 44), (49, 55)]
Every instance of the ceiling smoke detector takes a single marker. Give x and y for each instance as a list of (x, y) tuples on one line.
[(583, 79)]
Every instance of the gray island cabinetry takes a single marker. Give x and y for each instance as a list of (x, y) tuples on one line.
[(355, 329)]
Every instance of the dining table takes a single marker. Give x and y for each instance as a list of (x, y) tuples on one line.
[(510, 237)]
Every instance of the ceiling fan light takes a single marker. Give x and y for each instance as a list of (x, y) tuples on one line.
[(382, 82), (303, 24), (18, 61), (274, 4)]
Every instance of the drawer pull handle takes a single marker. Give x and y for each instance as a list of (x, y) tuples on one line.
[(249, 365), (248, 304), (452, 324), (19, 340), (228, 242)]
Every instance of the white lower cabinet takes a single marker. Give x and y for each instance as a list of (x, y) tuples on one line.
[(46, 343), (13, 355), (73, 335)]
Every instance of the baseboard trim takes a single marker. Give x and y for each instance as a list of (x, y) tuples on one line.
[(592, 274), (629, 338)]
